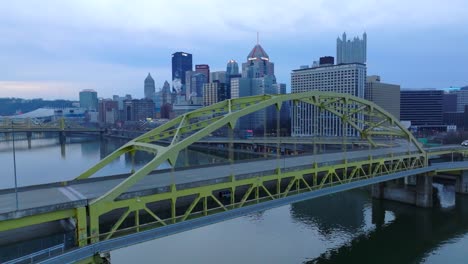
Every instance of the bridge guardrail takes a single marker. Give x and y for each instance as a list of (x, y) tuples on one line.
[(37, 256)]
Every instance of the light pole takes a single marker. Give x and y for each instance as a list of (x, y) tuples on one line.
[(14, 163)]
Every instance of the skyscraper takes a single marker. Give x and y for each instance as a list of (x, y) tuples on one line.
[(258, 77), (258, 64), (188, 85), (384, 95), (196, 88), (203, 69), (108, 111), (166, 102), (166, 93), (423, 107), (232, 68), (88, 99), (214, 92), (232, 71), (218, 76), (181, 62), (149, 87), (138, 110), (462, 98), (354, 51), (307, 120)]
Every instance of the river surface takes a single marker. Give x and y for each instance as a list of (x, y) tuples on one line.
[(348, 227)]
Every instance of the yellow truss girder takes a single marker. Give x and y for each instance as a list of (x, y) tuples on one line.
[(191, 127)]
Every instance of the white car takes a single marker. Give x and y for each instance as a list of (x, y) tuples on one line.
[(465, 143)]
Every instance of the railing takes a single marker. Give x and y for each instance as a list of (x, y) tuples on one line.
[(39, 255)]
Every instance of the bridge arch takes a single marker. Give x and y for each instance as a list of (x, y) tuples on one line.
[(187, 129)]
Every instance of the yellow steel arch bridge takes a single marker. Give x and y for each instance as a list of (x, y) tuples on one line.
[(145, 199)]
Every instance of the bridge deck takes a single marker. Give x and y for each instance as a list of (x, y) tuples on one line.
[(132, 239), (50, 197)]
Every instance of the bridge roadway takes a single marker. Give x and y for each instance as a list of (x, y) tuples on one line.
[(293, 140), (132, 239), (53, 197)]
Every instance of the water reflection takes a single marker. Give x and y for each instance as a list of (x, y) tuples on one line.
[(107, 146), (333, 213), (74, 156), (409, 238)]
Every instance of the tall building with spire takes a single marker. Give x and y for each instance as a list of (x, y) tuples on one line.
[(258, 64), (149, 87), (258, 77), (351, 51)]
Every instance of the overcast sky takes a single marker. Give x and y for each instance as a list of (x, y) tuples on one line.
[(53, 49)]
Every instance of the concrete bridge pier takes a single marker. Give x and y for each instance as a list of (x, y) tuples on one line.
[(378, 190), (461, 184), (419, 195), (424, 191)]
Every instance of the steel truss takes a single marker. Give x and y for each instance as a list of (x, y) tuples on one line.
[(236, 193), (189, 128)]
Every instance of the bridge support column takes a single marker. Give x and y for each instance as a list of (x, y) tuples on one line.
[(461, 185), (420, 196), (29, 137), (378, 190), (378, 213), (424, 190), (62, 150), (62, 137), (81, 227)]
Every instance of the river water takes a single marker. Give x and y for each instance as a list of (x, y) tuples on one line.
[(348, 227)]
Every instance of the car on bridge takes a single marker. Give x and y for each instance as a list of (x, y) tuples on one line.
[(464, 143)]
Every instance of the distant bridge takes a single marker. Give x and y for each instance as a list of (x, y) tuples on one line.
[(9, 125)]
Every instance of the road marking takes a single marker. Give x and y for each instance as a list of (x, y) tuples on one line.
[(77, 193), (68, 194)]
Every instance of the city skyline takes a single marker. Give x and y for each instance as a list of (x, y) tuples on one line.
[(51, 55)]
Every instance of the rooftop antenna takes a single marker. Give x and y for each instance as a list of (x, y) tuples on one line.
[(257, 38)]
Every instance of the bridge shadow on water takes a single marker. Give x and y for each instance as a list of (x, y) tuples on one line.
[(408, 238), (342, 212)]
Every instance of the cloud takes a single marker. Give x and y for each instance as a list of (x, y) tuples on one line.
[(178, 18), (110, 45), (36, 89)]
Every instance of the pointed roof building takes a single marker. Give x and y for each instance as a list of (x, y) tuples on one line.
[(258, 64), (258, 53), (149, 87), (166, 93)]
